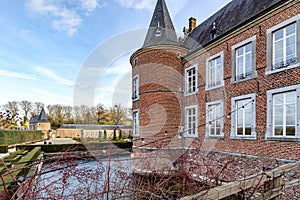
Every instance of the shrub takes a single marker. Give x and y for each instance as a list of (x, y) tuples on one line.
[(105, 134), (123, 145), (3, 148), (15, 137), (120, 134), (22, 163), (12, 159), (52, 148), (115, 135)]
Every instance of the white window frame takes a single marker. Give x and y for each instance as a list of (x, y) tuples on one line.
[(234, 110), (270, 135), (234, 49), (187, 122), (270, 40), (187, 83), (208, 61), (221, 118), (136, 126), (135, 88)]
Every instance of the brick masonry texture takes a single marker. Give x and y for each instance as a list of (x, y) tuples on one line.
[(161, 70), (160, 99)]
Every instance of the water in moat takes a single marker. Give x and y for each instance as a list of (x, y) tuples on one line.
[(108, 178)]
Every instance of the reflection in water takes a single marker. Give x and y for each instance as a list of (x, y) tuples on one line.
[(86, 179)]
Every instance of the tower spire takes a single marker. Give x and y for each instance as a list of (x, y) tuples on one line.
[(161, 29)]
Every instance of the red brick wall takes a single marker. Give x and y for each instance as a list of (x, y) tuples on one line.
[(259, 85), (160, 99), (161, 111)]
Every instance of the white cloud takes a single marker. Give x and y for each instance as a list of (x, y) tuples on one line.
[(89, 5), (13, 74), (48, 97), (53, 76), (174, 6), (68, 22), (136, 4), (67, 14)]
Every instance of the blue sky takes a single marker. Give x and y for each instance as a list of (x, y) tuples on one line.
[(44, 44)]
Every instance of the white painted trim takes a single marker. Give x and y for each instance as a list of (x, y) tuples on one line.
[(186, 79), (269, 133), (133, 125), (138, 87), (207, 135), (221, 55), (233, 134), (186, 121)]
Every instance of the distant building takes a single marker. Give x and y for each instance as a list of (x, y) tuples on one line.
[(92, 131), (40, 122)]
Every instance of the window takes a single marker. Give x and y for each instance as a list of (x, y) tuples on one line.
[(284, 46), (283, 113), (214, 71), (136, 61), (214, 119), (243, 60), (136, 131), (191, 121), (243, 116), (135, 88), (191, 80), (282, 50)]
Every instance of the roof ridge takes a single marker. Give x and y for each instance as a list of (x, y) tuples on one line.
[(243, 10)]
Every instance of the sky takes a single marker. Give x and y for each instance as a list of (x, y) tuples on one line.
[(47, 47)]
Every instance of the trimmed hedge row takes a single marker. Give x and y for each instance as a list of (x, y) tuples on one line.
[(123, 145), (3, 148), (22, 163), (53, 148), (16, 137), (12, 160)]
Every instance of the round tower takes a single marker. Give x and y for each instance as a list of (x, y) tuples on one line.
[(157, 82)]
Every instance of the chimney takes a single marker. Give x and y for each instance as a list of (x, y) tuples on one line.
[(192, 23)]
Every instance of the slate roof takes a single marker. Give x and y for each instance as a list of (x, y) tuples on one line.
[(42, 117), (94, 126), (230, 16), (161, 29)]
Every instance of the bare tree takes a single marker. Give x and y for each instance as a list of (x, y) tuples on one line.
[(13, 107), (67, 114), (118, 114), (6, 119), (85, 115), (37, 108), (26, 106)]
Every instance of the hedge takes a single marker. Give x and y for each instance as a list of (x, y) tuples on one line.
[(13, 159), (53, 148), (3, 148), (17, 137), (123, 145), (26, 160)]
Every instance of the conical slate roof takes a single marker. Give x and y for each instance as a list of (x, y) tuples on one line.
[(161, 29), (42, 117)]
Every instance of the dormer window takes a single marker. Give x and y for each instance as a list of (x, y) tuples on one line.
[(214, 33), (158, 30)]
